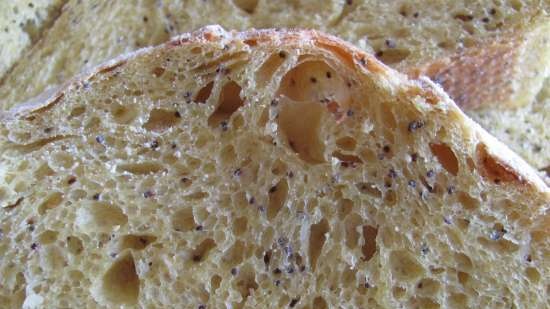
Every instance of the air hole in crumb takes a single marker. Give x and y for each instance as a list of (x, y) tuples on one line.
[(246, 281), (240, 225), (265, 72), (183, 220), (458, 300), (347, 160), (158, 71), (215, 282), (308, 82), (99, 216), (502, 246), (427, 286), (246, 5), (229, 102), (390, 198), (317, 238), (300, 123), (398, 292), (369, 246), (467, 201), (228, 154), (142, 168), (201, 251), (423, 303), (199, 195), (494, 169), (277, 198), (463, 262), (74, 245), (204, 93), (235, 255), (345, 207), (446, 157), (43, 171), (369, 189), (123, 114), (77, 111), (51, 201), (279, 167), (161, 120), (120, 284), (346, 143), (47, 237), (463, 278), (532, 274), (404, 266), (136, 242), (319, 303)]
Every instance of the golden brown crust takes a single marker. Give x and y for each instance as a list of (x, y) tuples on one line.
[(476, 76), (497, 73), (495, 170), (351, 55)]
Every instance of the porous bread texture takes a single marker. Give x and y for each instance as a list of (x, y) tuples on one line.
[(406, 35), (526, 128), (402, 34), (21, 24), (263, 169)]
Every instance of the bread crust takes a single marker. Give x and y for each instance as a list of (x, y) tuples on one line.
[(507, 72), (527, 177)]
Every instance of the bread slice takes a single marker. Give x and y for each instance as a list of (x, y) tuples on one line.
[(407, 35), (403, 34), (263, 169), (21, 25)]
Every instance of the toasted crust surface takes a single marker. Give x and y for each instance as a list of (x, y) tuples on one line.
[(506, 73)]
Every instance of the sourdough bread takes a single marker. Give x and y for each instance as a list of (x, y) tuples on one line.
[(410, 36), (263, 169)]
